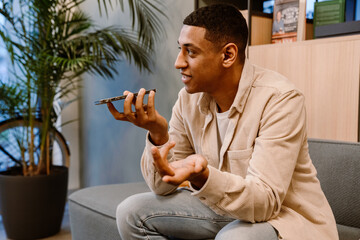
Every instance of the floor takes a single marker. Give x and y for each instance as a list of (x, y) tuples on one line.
[(64, 233)]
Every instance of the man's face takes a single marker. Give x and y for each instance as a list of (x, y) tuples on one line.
[(199, 61)]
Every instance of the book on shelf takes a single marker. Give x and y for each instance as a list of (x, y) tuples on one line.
[(329, 12), (289, 21)]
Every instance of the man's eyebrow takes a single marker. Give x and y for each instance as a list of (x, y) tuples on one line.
[(189, 45)]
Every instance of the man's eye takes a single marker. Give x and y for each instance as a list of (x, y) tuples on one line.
[(189, 51)]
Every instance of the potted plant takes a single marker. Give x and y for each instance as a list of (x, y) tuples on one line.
[(51, 43)]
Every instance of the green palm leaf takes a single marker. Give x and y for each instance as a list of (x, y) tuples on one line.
[(146, 17), (51, 43)]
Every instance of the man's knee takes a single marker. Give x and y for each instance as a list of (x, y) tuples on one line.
[(247, 231), (127, 211)]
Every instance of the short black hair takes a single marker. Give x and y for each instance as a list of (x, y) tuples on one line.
[(223, 23)]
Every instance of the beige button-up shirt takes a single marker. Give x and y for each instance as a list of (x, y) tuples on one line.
[(263, 171)]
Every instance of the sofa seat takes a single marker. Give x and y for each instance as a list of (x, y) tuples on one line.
[(93, 210)]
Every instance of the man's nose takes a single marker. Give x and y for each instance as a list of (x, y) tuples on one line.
[(180, 61)]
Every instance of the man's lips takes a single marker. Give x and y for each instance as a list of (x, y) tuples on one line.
[(185, 77)]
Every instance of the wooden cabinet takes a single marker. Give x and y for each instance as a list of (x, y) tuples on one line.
[(327, 71)]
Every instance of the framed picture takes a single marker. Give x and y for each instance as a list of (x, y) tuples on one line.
[(288, 21)]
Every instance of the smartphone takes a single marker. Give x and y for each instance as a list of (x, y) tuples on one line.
[(112, 99)]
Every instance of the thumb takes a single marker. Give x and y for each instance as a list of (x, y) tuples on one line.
[(160, 162), (164, 151), (155, 153)]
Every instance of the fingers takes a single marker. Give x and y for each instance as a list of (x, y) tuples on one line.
[(156, 155), (127, 107), (151, 105), (180, 176), (161, 165), (127, 115), (199, 161), (192, 168), (166, 148), (141, 114), (160, 159), (139, 106), (117, 115), (163, 152), (144, 115), (199, 166)]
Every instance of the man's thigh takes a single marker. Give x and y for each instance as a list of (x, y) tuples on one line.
[(238, 230), (176, 216)]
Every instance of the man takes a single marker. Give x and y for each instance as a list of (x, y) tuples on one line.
[(278, 24), (238, 135)]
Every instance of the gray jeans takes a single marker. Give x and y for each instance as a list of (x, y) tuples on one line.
[(182, 216)]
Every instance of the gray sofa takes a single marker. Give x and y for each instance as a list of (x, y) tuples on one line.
[(92, 210)]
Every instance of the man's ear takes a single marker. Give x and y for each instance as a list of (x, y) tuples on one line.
[(230, 54)]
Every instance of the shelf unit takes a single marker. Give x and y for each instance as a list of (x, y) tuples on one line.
[(261, 25)]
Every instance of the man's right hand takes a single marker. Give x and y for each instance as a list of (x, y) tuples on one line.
[(145, 116)]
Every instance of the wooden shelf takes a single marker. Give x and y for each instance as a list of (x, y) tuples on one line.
[(338, 29), (261, 25)]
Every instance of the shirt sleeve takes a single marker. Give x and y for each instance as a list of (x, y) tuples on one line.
[(182, 149), (151, 176)]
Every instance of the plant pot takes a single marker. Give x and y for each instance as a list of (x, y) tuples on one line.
[(33, 207)]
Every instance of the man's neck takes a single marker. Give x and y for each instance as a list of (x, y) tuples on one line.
[(224, 98)]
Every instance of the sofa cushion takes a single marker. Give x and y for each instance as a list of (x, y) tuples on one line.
[(348, 233), (104, 199), (338, 167), (92, 210)]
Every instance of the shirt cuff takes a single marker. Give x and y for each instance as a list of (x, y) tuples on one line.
[(213, 190), (149, 145)]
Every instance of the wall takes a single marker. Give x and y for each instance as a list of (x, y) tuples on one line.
[(70, 130), (327, 71), (111, 150)]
